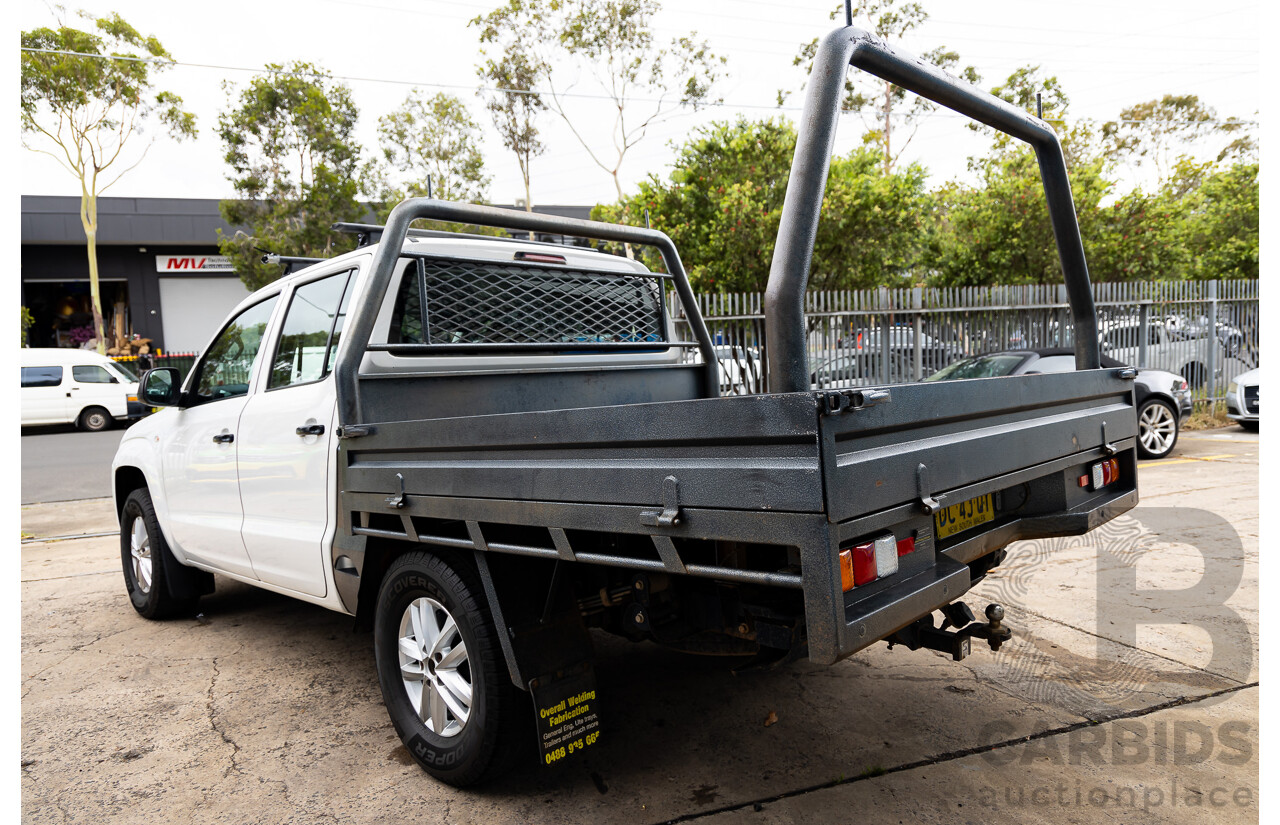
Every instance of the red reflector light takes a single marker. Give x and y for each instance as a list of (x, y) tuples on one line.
[(872, 560), (864, 563), (1083, 481)]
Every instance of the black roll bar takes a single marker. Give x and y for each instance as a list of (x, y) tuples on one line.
[(798, 226), (360, 324)]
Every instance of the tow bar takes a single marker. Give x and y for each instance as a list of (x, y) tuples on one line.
[(922, 633)]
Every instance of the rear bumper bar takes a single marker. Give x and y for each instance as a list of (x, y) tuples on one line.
[(878, 616)]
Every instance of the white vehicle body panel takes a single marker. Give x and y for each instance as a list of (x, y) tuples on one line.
[(202, 486)]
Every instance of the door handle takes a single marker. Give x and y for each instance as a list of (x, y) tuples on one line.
[(311, 429), (224, 438)]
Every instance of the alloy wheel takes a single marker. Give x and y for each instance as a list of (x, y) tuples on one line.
[(434, 667), (140, 554), (1157, 429)]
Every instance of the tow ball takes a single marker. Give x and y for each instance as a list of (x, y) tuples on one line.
[(957, 615)]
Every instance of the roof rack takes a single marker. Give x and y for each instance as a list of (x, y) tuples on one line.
[(370, 233), (291, 263)]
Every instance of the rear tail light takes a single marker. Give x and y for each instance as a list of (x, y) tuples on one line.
[(1104, 472), (870, 560)]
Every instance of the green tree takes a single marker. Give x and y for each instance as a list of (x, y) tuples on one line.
[(430, 137), (998, 232), (613, 42), (723, 201), (427, 139), (1079, 143), (27, 320), (1218, 226), (1165, 130), (513, 102), (891, 20), (86, 96), (289, 142)]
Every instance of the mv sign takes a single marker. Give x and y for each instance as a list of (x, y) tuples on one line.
[(193, 263)]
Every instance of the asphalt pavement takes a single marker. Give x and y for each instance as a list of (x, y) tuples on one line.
[(1129, 693), (63, 464)]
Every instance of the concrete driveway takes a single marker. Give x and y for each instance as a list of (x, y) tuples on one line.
[(1117, 699)]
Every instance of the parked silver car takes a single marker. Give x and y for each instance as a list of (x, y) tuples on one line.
[(1163, 398), (1242, 399)]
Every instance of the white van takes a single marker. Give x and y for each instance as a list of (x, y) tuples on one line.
[(63, 386)]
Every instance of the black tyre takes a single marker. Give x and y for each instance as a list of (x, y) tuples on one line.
[(1251, 426), (94, 419), (443, 677), (148, 564), (1157, 429)]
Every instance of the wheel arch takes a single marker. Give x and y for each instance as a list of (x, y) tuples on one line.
[(380, 553), (124, 481)]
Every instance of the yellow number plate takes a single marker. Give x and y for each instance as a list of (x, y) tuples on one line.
[(960, 517)]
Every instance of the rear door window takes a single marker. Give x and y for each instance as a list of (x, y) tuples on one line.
[(41, 376), (311, 330)]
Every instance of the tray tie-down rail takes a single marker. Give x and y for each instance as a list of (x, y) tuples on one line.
[(922, 633)]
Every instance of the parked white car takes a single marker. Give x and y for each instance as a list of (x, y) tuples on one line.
[(1242, 399), (65, 386), (1184, 352)]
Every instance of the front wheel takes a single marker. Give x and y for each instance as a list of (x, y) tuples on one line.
[(148, 564), (1157, 429), (94, 419), (443, 677)]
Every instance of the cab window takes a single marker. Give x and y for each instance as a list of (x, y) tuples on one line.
[(225, 369)]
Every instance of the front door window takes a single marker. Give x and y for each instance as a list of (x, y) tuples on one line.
[(225, 370)]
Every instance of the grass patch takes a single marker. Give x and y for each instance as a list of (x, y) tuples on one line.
[(874, 770), (1208, 419)]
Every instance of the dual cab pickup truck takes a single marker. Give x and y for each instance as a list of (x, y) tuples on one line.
[(482, 449)]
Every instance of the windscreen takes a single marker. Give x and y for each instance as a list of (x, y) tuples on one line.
[(982, 366)]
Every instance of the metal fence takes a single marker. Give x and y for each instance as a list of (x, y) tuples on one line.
[(886, 336), (182, 361)]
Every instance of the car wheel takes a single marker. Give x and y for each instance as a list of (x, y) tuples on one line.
[(443, 677), (94, 419), (1251, 426), (147, 561), (1157, 429)]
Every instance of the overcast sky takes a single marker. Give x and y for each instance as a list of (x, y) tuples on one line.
[(1106, 54)]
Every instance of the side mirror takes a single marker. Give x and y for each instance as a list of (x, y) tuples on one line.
[(161, 387)]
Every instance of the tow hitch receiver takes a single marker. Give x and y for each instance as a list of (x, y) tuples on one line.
[(922, 633)]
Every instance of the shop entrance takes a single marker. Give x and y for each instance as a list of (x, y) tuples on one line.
[(63, 312)]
